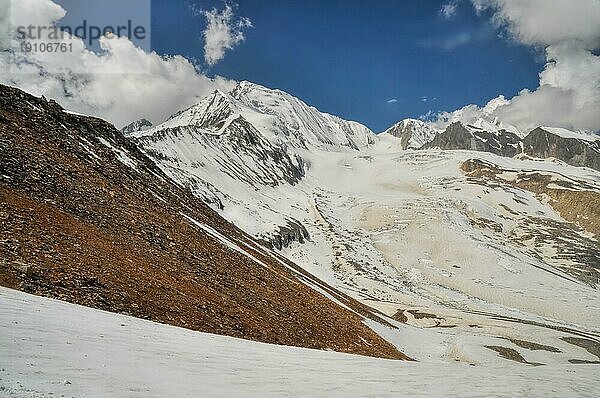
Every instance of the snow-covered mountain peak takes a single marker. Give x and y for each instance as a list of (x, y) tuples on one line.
[(246, 92), (278, 116), (245, 87), (494, 126), (212, 113), (252, 139), (286, 119), (138, 125), (413, 133)]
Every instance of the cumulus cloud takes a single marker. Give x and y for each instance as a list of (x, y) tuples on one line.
[(223, 32), (448, 10), (568, 95), (569, 86), (467, 114), (120, 84), (547, 22)]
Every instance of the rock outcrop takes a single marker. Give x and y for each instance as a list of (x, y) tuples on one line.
[(576, 150), (413, 134), (457, 136)]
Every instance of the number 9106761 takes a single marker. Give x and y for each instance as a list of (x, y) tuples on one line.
[(33, 47)]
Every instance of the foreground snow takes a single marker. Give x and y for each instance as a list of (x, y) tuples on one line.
[(51, 348)]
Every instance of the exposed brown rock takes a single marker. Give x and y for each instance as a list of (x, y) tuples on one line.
[(580, 206), (578, 203), (511, 354)]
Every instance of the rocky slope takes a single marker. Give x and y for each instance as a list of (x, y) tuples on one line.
[(86, 217), (576, 149), (575, 243), (472, 138)]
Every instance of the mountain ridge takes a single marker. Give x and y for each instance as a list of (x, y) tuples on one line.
[(575, 148)]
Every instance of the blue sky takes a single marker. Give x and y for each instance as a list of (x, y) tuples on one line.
[(350, 57)]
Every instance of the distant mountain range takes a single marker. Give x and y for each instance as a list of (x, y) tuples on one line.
[(577, 149)]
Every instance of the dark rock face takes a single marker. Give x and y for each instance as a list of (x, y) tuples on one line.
[(576, 152), (244, 136), (217, 110), (539, 143), (293, 231), (457, 136), (404, 133)]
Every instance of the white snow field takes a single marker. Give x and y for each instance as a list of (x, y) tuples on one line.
[(50, 348)]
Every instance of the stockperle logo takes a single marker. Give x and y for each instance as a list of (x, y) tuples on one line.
[(78, 26)]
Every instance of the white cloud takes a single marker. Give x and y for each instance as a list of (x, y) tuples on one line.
[(120, 84), (223, 32), (467, 114), (448, 10), (568, 94), (547, 22), (392, 101)]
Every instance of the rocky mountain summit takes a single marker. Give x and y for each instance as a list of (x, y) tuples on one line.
[(472, 138), (576, 149), (138, 125), (413, 133)]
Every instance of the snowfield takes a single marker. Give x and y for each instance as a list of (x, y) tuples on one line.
[(50, 348)]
